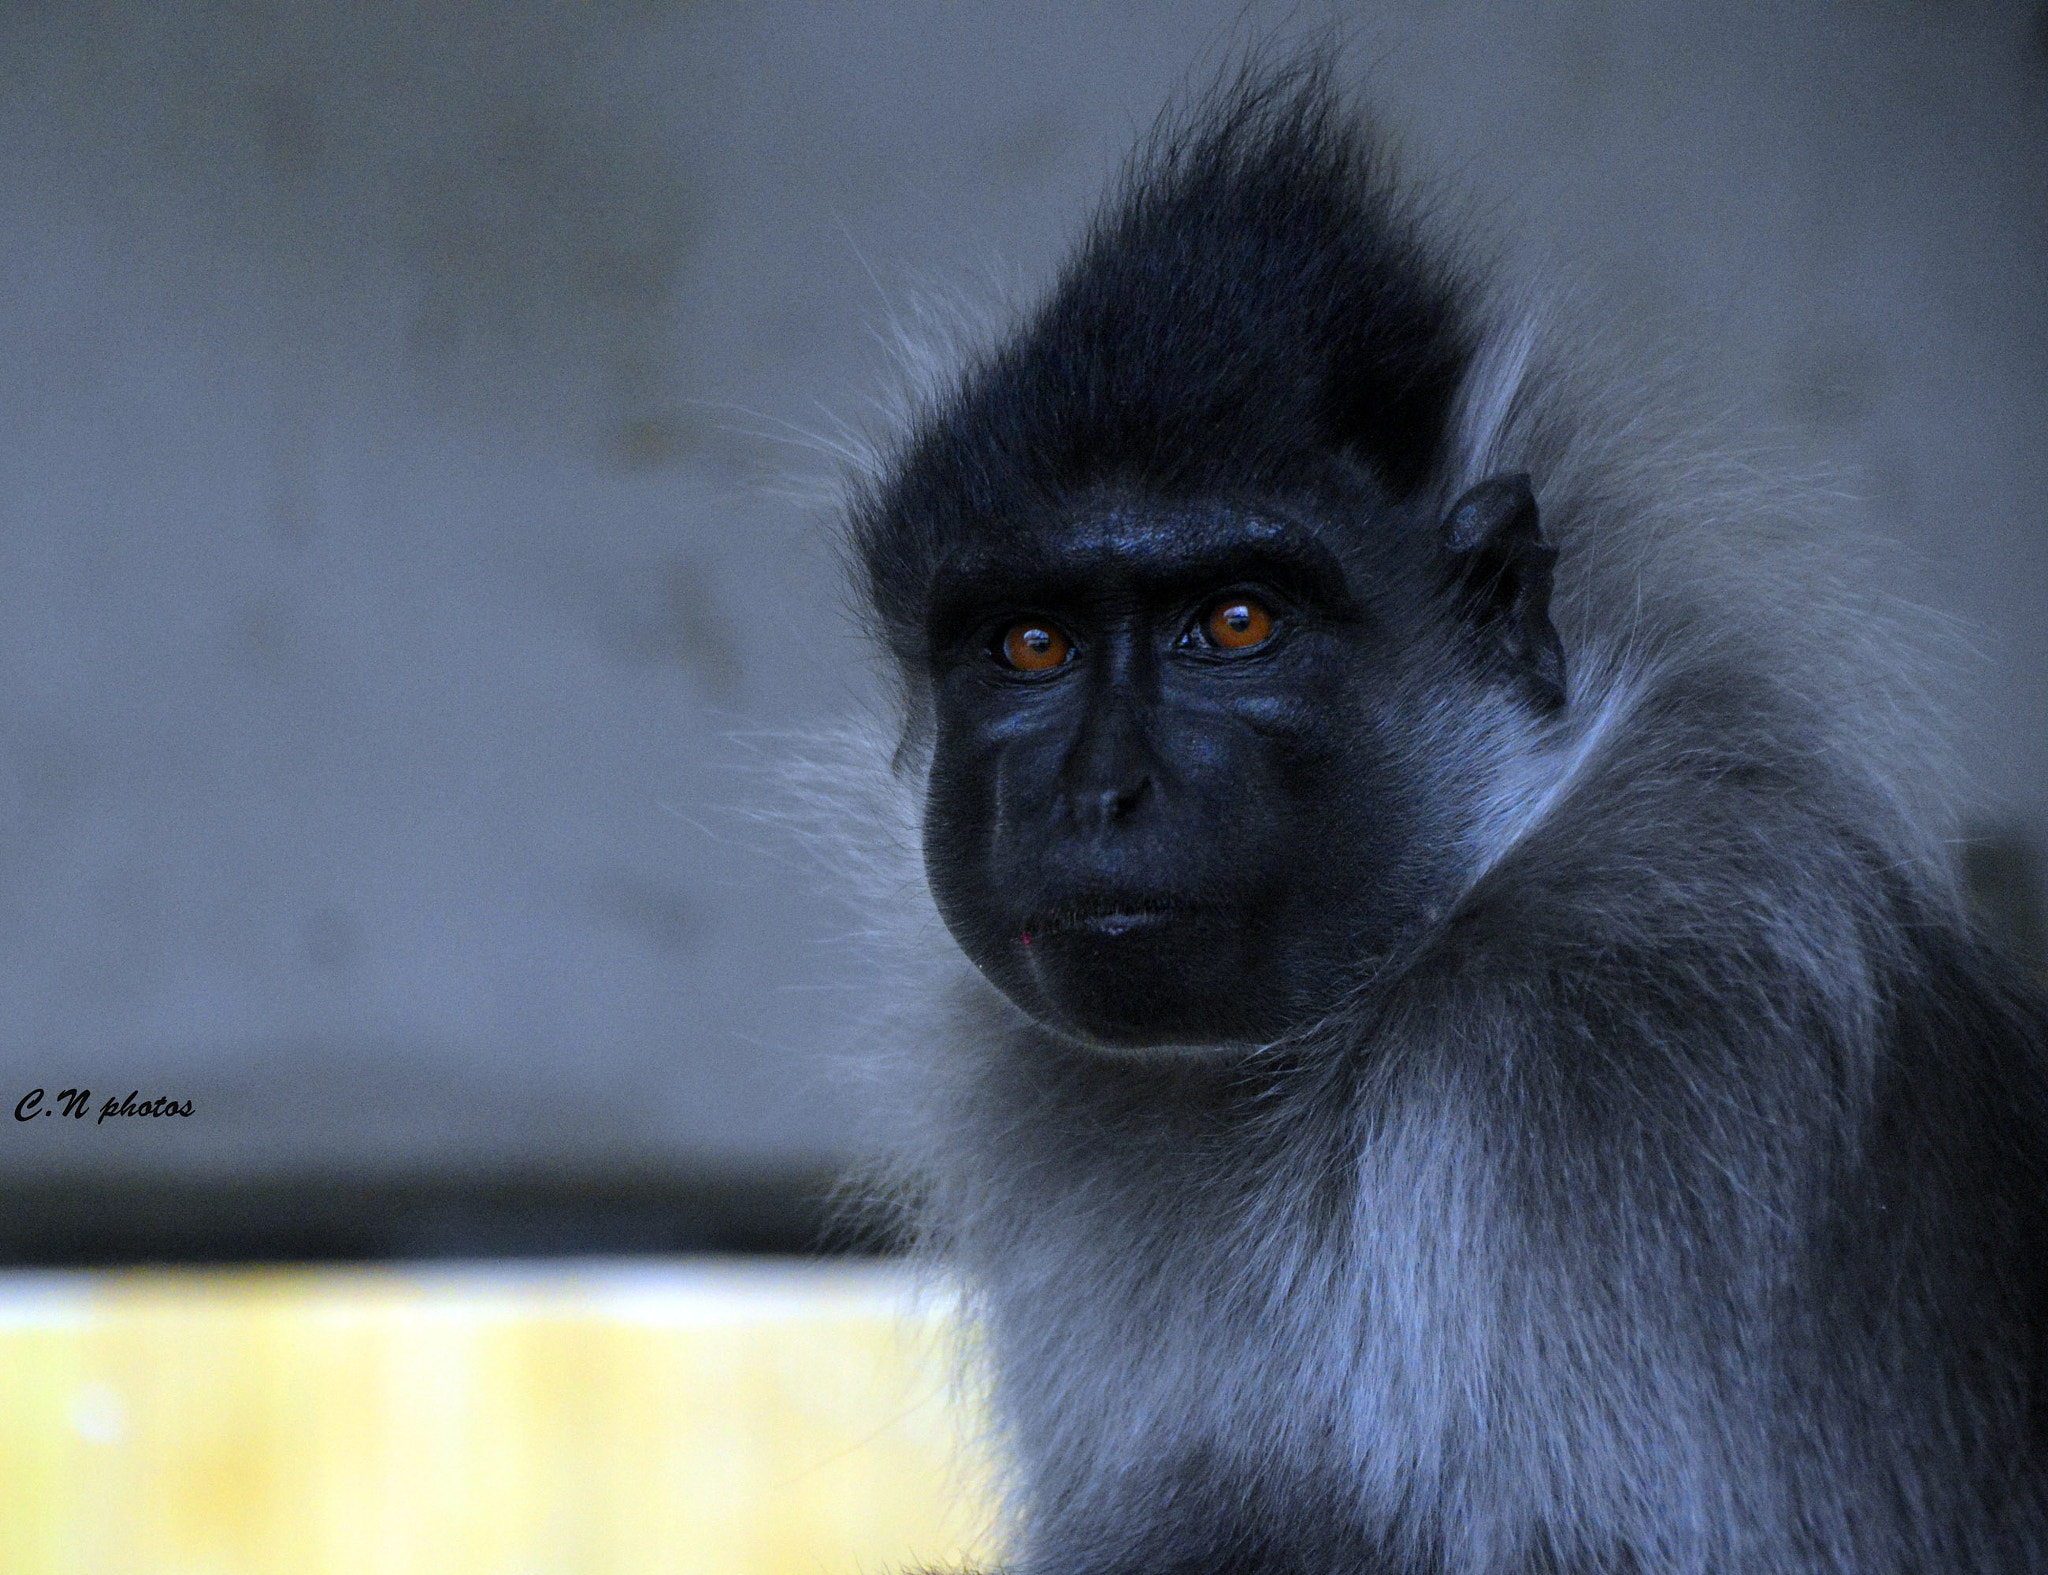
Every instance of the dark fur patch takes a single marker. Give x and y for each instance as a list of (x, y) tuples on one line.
[(1254, 302)]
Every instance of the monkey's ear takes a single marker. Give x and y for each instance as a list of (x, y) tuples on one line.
[(1500, 568)]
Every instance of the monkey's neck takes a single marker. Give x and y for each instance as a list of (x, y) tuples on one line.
[(1405, 1268)]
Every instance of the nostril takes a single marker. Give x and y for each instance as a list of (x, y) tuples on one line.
[(1115, 803), (1100, 806)]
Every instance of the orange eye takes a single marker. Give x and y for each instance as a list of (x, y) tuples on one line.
[(1035, 648), (1238, 623)]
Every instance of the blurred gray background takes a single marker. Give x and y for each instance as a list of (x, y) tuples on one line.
[(406, 420)]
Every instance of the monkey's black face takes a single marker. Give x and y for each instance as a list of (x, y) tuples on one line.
[(1161, 807)]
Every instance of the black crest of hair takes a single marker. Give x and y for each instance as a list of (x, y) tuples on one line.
[(1459, 1051), (1254, 297)]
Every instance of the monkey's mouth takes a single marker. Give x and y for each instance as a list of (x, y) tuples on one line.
[(1111, 920), (1129, 970)]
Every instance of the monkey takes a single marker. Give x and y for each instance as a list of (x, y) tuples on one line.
[(1457, 1048)]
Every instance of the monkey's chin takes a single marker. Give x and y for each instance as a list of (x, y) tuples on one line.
[(1142, 980)]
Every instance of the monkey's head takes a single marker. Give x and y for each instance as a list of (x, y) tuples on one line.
[(1181, 618)]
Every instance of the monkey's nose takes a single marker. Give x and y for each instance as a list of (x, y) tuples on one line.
[(1096, 808), (1115, 803)]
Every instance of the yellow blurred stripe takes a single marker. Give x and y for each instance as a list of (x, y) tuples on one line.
[(723, 1417)]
